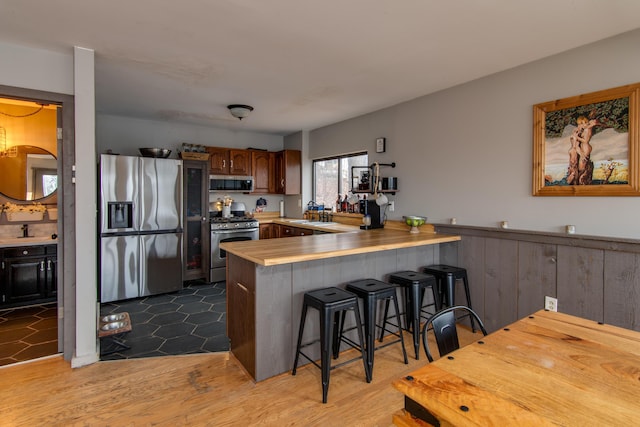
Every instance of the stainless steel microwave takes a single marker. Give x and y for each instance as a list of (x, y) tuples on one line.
[(230, 183)]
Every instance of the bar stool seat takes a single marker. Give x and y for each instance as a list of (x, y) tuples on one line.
[(415, 285), (447, 275), (372, 292), (330, 303)]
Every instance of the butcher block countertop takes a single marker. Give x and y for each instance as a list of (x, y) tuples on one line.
[(309, 248)]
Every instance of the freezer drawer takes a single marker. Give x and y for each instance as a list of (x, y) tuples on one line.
[(119, 267), (161, 269)]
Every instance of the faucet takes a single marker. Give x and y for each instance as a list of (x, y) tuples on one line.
[(25, 230)]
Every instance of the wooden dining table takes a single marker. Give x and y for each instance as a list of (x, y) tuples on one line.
[(547, 369)]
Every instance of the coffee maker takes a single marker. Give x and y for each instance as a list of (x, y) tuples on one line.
[(374, 211)]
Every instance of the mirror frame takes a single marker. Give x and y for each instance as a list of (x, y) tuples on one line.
[(50, 196)]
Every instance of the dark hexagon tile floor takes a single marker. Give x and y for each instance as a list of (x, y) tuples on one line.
[(189, 321), (30, 332)]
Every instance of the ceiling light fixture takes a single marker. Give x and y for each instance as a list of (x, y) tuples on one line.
[(240, 111)]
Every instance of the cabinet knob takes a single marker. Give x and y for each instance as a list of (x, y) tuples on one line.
[(25, 252), (41, 265)]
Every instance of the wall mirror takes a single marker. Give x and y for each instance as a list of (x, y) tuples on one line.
[(28, 173)]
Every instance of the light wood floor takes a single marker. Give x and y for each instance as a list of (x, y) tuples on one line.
[(200, 390)]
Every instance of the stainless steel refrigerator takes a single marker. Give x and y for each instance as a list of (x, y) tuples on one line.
[(140, 226)]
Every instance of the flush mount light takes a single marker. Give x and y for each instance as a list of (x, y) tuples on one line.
[(240, 111)]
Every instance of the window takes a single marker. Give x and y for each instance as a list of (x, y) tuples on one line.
[(332, 176)]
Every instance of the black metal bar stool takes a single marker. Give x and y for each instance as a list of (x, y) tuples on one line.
[(330, 303), (414, 284), (372, 292), (447, 275)]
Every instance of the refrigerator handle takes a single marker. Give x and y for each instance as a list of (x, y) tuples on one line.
[(142, 269)]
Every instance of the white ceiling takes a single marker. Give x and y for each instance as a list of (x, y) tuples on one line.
[(302, 64)]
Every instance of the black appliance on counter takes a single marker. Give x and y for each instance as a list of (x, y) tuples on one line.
[(374, 211)]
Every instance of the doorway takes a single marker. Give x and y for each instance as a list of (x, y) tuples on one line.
[(36, 328)]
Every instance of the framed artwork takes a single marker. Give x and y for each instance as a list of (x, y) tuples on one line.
[(381, 145), (588, 145)]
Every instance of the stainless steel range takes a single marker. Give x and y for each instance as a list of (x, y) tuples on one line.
[(233, 229)]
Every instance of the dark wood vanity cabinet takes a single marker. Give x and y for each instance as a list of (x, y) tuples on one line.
[(29, 275)]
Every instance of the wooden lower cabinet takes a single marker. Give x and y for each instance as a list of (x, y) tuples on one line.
[(274, 231), (288, 231), (269, 231), (241, 324)]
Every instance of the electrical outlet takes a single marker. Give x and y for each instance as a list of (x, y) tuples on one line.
[(550, 303), (392, 206)]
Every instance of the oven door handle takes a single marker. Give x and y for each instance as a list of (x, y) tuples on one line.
[(235, 230)]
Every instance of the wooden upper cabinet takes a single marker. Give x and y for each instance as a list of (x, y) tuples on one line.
[(239, 162), (262, 165), (273, 172), (219, 160), (288, 172), (225, 161)]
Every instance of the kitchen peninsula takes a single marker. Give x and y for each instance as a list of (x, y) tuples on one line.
[(266, 281)]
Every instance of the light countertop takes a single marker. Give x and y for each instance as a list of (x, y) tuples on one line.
[(308, 248), (8, 242), (328, 227)]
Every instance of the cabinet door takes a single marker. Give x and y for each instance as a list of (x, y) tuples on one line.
[(269, 231), (218, 160), (265, 231), (288, 172), (25, 279), (241, 311), (239, 162), (196, 239), (51, 285), (286, 231), (298, 231), (261, 168)]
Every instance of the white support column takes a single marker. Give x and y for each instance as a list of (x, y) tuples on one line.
[(86, 351)]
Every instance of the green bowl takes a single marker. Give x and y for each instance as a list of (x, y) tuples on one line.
[(414, 221)]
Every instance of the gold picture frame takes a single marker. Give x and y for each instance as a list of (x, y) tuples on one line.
[(587, 145)]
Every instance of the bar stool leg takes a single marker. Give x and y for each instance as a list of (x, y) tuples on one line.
[(369, 329), (414, 307), (395, 305), (304, 317), (450, 291), (325, 344), (466, 291), (384, 321), (338, 325), (356, 313)]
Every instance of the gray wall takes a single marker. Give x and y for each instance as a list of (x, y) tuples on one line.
[(510, 273), (466, 152)]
